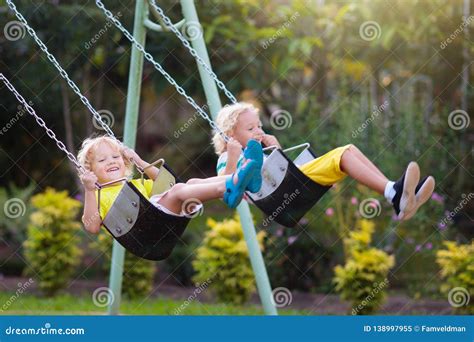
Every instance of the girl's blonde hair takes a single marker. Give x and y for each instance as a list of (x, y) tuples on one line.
[(86, 153), (226, 121)]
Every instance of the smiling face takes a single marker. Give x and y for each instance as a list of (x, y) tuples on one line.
[(107, 162), (248, 126)]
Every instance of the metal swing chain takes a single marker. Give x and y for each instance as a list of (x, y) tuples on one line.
[(62, 72), (158, 67), (41, 122), (192, 51), (65, 76)]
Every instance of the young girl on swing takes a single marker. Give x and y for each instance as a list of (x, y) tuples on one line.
[(106, 160), (241, 122)]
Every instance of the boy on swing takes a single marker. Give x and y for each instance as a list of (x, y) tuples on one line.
[(107, 160), (241, 122)]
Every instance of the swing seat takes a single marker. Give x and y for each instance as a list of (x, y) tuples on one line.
[(287, 193), (140, 227)]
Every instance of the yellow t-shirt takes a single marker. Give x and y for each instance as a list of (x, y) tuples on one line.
[(109, 194)]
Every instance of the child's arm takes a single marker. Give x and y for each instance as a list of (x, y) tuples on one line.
[(234, 150), (151, 172), (91, 217)]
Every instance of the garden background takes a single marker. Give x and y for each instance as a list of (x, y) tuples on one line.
[(392, 77)]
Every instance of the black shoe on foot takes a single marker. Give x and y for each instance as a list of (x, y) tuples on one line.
[(423, 193), (404, 200)]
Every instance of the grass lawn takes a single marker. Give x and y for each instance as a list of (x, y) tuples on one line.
[(83, 305)]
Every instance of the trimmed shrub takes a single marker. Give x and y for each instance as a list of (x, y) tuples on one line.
[(51, 247), (457, 269), (223, 261), (363, 279)]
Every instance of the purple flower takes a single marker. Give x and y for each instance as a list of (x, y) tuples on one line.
[(329, 211), (395, 217), (354, 200), (374, 204), (437, 197), (418, 248), (292, 239), (279, 232), (78, 197), (442, 226), (303, 221), (428, 245)]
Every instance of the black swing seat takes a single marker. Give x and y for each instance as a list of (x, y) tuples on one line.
[(287, 193), (140, 227)]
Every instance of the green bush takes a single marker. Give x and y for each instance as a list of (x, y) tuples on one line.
[(137, 273), (457, 268), (363, 279), (223, 261), (14, 223), (51, 247)]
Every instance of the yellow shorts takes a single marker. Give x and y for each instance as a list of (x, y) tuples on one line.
[(326, 170)]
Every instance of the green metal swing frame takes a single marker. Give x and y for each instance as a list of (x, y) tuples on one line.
[(141, 24)]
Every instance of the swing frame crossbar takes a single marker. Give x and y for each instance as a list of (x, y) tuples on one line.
[(209, 81)]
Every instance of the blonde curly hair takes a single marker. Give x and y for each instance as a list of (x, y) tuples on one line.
[(226, 121), (88, 147)]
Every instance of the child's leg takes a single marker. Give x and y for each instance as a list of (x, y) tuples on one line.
[(364, 159), (358, 166), (203, 192), (206, 180)]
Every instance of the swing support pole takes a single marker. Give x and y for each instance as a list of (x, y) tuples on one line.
[(213, 100), (141, 22), (129, 139)]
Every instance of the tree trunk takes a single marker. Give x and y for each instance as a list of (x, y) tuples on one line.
[(68, 129), (86, 89)]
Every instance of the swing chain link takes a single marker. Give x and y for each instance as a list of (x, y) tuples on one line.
[(62, 72), (41, 122), (65, 76), (192, 51), (158, 67)]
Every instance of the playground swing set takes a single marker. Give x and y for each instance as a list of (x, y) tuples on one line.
[(134, 223)]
